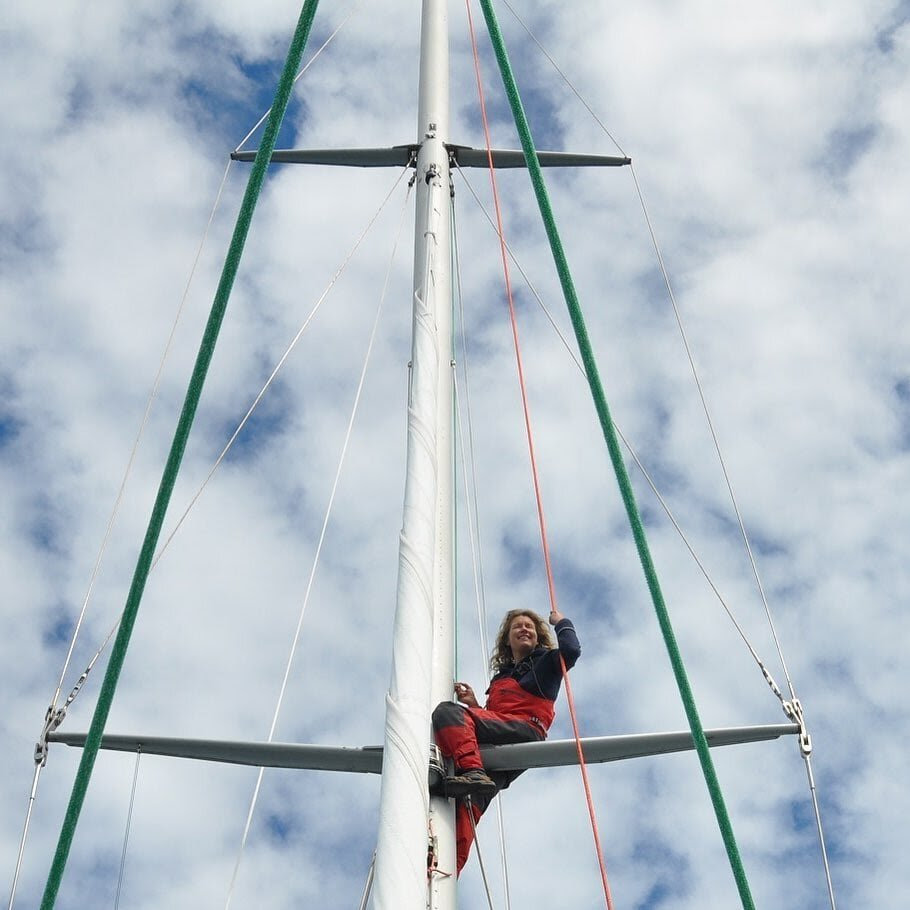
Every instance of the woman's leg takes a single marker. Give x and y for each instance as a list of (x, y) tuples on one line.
[(456, 736), (480, 725), (501, 729), (464, 827)]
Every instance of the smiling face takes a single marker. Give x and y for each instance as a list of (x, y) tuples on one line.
[(522, 636)]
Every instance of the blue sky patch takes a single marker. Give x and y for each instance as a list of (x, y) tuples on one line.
[(802, 816), (280, 827), (901, 391), (264, 77), (9, 430), (266, 423), (57, 628), (845, 148), (583, 591), (80, 102), (24, 235), (235, 105), (884, 41), (670, 871), (521, 559), (42, 530)]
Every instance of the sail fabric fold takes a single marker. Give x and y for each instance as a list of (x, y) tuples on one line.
[(401, 853), (400, 814)]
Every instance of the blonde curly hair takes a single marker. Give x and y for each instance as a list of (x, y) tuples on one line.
[(502, 653)]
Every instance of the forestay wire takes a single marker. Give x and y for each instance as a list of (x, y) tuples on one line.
[(368, 884), (175, 456), (625, 486)]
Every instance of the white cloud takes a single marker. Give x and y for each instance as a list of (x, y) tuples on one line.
[(770, 145)]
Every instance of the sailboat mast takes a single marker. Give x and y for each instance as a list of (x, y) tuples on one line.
[(412, 825)]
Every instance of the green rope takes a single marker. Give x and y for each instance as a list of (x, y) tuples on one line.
[(178, 446), (622, 477)]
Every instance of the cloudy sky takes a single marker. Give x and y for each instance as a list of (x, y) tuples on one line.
[(771, 146)]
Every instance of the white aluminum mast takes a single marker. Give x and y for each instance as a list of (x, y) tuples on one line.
[(411, 823)]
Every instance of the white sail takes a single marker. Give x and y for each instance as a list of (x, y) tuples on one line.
[(423, 638)]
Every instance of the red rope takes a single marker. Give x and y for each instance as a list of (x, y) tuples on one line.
[(582, 764), (527, 416), (512, 316)]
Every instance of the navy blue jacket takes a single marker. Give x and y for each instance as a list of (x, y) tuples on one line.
[(540, 673)]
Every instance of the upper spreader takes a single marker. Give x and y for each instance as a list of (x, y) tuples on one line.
[(406, 156)]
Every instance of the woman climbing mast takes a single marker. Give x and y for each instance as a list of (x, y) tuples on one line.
[(520, 708)]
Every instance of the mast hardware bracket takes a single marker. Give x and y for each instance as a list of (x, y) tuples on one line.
[(794, 710), (52, 719), (437, 767), (432, 854)]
